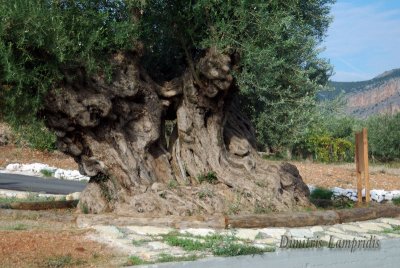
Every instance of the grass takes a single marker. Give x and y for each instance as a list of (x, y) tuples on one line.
[(84, 208), (203, 194), (140, 242), (394, 230), (30, 198), (47, 173), (217, 244), (15, 227), (63, 261), (396, 201), (210, 177), (161, 258), (172, 184)]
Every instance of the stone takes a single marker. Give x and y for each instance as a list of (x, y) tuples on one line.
[(335, 229), (198, 231), (370, 226), (341, 236), (109, 231), (301, 233), (316, 229), (390, 221), (149, 230), (156, 245), (350, 228), (273, 232), (249, 234)]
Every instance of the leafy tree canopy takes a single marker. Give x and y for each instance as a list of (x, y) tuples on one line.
[(279, 70)]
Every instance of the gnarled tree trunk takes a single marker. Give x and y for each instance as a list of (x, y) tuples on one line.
[(116, 132)]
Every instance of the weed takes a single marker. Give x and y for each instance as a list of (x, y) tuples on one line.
[(84, 208), (393, 230), (321, 193), (396, 201), (140, 242), (63, 261), (234, 207), (210, 177), (172, 184), (163, 257), (46, 172), (217, 244), (32, 197), (135, 260), (204, 193), (261, 209), (16, 227)]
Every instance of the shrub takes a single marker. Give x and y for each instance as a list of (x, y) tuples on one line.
[(210, 177), (321, 193), (396, 201)]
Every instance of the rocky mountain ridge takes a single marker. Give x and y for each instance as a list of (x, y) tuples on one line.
[(380, 95)]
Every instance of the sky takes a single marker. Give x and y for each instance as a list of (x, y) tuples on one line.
[(364, 39)]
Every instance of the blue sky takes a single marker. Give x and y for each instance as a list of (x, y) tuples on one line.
[(364, 38)]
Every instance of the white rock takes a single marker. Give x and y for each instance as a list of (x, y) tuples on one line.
[(198, 231), (370, 226), (388, 196), (273, 232), (149, 230), (391, 221), (301, 233), (316, 229), (249, 234)]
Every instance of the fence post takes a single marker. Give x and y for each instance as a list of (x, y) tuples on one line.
[(361, 159)]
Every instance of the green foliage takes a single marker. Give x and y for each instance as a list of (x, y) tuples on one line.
[(384, 137), (41, 40), (321, 193), (46, 173), (219, 245), (34, 135), (63, 261), (164, 257), (279, 68), (32, 197), (161, 258), (210, 177), (396, 201)]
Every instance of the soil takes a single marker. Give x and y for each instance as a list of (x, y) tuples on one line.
[(317, 174), (13, 154), (50, 239), (344, 175)]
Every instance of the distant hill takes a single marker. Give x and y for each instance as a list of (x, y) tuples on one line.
[(364, 98)]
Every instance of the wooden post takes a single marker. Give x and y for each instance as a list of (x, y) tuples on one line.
[(361, 158), (358, 169), (366, 167)]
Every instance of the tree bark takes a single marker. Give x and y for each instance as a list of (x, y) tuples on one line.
[(116, 133)]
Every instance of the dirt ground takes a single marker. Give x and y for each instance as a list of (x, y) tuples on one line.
[(13, 154), (318, 174), (344, 176), (50, 239)]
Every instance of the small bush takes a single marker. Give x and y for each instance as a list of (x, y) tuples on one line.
[(135, 260), (46, 173), (210, 177), (172, 184), (321, 193), (396, 201)]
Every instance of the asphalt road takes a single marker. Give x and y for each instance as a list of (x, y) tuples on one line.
[(35, 184), (388, 256)]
